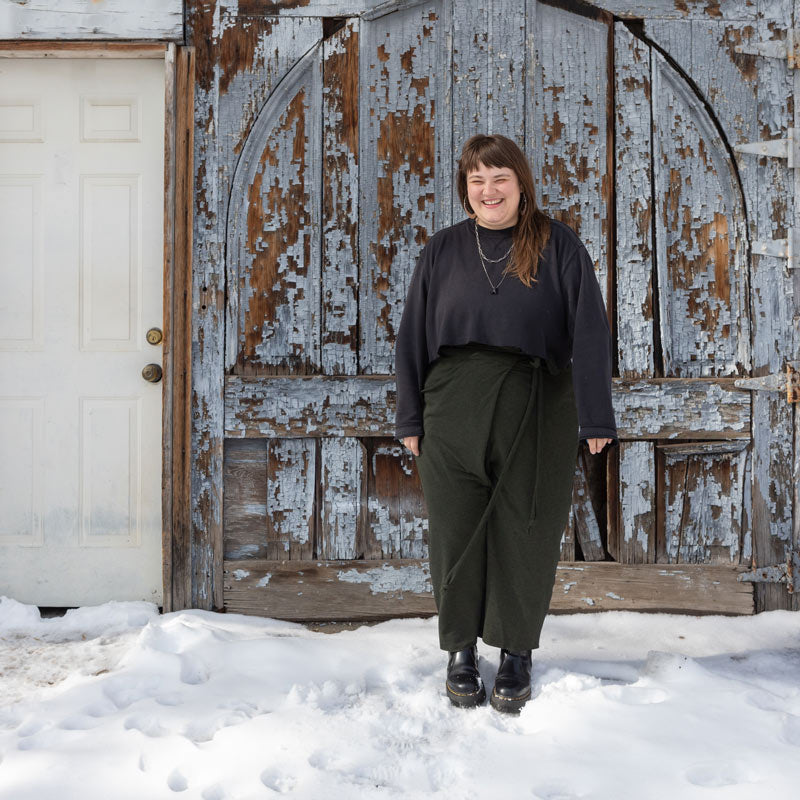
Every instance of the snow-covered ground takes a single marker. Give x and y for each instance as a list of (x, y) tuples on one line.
[(115, 702)]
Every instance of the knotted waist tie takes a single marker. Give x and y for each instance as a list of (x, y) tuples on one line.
[(536, 394)]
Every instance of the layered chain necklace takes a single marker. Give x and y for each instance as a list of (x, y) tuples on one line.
[(484, 259)]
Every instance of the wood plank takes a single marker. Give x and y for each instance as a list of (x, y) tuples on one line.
[(23, 49), (76, 19), (270, 151), (168, 384), (702, 485), (338, 590), (396, 518), (401, 67), (776, 330), (339, 315), (665, 408), (635, 542), (177, 541), (634, 207), (203, 561), (586, 527), (568, 130), (292, 471), (342, 489), (794, 555), (489, 72), (244, 519), (727, 10), (701, 237)]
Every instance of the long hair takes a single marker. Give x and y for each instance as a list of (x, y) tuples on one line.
[(532, 231)]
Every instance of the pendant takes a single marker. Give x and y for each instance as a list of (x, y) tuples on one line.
[(494, 290)]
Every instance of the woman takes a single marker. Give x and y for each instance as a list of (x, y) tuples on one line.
[(503, 365)]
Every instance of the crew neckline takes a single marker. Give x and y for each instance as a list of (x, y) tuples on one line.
[(494, 231)]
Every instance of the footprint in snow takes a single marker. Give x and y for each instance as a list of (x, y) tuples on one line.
[(9, 721), (78, 722), (122, 694), (102, 708), (636, 695), (790, 729), (193, 671), (215, 792), (145, 724), (719, 773), (169, 699), (766, 701), (30, 727), (552, 791), (176, 781), (277, 780)]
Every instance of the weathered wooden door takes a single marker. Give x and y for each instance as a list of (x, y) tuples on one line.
[(326, 149)]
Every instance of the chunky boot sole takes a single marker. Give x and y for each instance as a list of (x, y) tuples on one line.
[(509, 705), (466, 700)]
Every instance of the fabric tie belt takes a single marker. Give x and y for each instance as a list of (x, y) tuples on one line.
[(534, 395)]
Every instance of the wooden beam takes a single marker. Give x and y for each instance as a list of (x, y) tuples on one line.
[(178, 346), (336, 590), (666, 408), (61, 49), (77, 19), (167, 384)]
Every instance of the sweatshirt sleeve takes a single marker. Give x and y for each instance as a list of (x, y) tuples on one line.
[(590, 339), (411, 351)]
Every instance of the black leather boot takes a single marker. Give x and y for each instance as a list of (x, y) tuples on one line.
[(464, 684), (512, 686)]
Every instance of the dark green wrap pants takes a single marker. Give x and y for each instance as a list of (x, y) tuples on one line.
[(496, 463)]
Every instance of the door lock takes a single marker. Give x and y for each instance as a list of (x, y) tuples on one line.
[(154, 336)]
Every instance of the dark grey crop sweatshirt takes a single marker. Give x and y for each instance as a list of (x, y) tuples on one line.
[(561, 317)]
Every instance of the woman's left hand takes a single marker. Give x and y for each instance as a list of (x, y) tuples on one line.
[(596, 445)]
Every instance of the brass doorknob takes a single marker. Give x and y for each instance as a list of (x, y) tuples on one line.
[(152, 373), (154, 336)]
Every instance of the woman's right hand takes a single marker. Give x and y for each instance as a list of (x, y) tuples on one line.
[(412, 443)]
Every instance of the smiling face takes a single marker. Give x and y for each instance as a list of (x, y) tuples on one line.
[(494, 193)]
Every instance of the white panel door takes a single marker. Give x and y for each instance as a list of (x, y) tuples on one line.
[(81, 261)]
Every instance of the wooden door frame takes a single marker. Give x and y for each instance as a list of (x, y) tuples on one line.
[(177, 295)]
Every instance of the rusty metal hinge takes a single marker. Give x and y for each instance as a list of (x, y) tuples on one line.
[(788, 573), (788, 148), (776, 382), (788, 49)]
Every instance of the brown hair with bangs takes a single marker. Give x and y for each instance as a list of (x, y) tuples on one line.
[(532, 231)]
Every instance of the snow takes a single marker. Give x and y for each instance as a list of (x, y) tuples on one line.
[(116, 701)]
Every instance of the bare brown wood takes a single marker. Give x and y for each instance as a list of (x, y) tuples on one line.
[(167, 386), (61, 49), (337, 590), (177, 561), (245, 509)]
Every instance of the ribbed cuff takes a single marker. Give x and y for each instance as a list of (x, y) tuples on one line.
[(600, 433), (408, 430)]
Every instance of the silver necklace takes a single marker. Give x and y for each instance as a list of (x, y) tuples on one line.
[(484, 259)]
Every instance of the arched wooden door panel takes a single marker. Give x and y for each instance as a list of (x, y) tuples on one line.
[(336, 141)]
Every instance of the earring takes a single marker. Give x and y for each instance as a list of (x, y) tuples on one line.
[(464, 204)]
